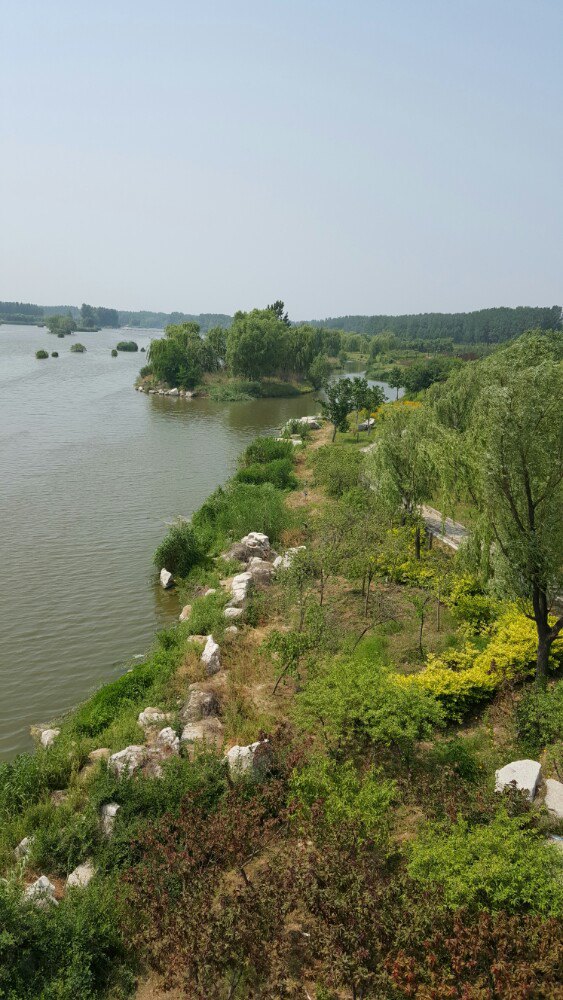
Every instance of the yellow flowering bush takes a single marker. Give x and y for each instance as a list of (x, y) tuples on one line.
[(460, 679)]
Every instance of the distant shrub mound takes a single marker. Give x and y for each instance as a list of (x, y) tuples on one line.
[(78, 349), (41, 354), (127, 345)]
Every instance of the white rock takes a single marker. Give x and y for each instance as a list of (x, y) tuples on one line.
[(107, 817), (173, 392), (240, 588), (285, 561), (260, 570), (554, 797), (24, 847), (127, 761), (208, 730), (256, 543), (233, 612), (42, 892), (185, 612), (82, 875), (48, 737), (241, 760), (201, 704), (166, 579), (168, 740), (366, 425), (211, 657), (231, 629), (152, 717), (209, 591), (521, 774)]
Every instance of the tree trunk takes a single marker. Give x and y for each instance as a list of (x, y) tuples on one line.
[(417, 542), (546, 635), (334, 433)]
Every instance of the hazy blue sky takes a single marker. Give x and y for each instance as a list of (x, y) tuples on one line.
[(360, 156)]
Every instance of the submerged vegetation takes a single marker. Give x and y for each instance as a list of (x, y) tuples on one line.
[(368, 854)]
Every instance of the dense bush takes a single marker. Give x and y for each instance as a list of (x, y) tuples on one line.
[(180, 549), (502, 865), (461, 679), (337, 469), (54, 354), (279, 472), (238, 508), (114, 353), (40, 355), (344, 795), (71, 951), (539, 718), (266, 449), (127, 345), (77, 348), (360, 700)]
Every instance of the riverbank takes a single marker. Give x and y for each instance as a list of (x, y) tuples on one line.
[(289, 770)]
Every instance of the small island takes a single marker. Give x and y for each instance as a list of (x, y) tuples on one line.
[(262, 354)]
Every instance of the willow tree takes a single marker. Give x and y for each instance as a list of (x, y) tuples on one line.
[(401, 468), (503, 435)]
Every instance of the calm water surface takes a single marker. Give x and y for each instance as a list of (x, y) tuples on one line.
[(91, 472)]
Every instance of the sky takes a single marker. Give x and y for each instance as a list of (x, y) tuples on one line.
[(360, 156)]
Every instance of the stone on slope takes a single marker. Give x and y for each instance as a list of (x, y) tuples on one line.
[(554, 797), (231, 613), (126, 761), (208, 730), (285, 561), (152, 717), (256, 543), (41, 892), (81, 876), (108, 813), (521, 774), (48, 736), (201, 704), (166, 579), (185, 613), (254, 759), (24, 847), (167, 739), (211, 657), (260, 570), (231, 629)]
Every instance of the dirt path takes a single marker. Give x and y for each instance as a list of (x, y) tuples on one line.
[(450, 532)]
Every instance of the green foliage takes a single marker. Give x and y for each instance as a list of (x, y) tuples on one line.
[(40, 355), (127, 345), (266, 449), (345, 796), (93, 316), (207, 616), (358, 700), (77, 349), (61, 325), (231, 512), (181, 357), (503, 865), (54, 354), (539, 718), (338, 470), (319, 372), (71, 951), (63, 837), (180, 549), (279, 472), (114, 355)]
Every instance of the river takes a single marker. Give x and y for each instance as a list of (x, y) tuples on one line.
[(92, 472)]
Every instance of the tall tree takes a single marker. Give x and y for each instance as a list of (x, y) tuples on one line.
[(338, 404), (401, 468), (508, 444)]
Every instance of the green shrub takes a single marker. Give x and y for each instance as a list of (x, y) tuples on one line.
[(77, 348), (71, 951), (346, 796), (238, 508), (279, 472), (114, 353), (360, 701), (63, 838), (40, 355), (207, 615), (146, 370), (234, 391), (503, 865), (54, 354), (179, 550), (337, 469), (127, 345), (539, 718), (266, 449)]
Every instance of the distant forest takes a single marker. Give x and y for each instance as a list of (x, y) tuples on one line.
[(485, 326), (29, 312)]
